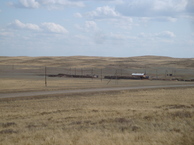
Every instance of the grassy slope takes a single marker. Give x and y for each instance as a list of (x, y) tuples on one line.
[(161, 116), (83, 61)]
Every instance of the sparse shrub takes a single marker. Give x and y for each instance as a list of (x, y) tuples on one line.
[(8, 131), (149, 118), (175, 130), (123, 120), (31, 126), (135, 128), (181, 114), (8, 124)]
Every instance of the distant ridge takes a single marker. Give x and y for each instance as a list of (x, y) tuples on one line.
[(97, 61)]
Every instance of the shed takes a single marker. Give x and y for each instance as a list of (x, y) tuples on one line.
[(138, 74)]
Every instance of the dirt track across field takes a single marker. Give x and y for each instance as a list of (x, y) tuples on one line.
[(39, 93)]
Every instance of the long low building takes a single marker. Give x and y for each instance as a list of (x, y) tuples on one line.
[(140, 75)]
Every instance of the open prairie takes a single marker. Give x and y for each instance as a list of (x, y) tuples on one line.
[(89, 61), (133, 117), (141, 117), (28, 73)]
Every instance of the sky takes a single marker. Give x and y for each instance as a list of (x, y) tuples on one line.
[(116, 28)]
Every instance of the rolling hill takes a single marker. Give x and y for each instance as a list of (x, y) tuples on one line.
[(100, 62)]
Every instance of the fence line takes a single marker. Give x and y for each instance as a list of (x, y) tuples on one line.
[(101, 72)]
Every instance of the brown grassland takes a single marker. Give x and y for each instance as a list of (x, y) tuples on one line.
[(18, 74), (133, 117), (159, 116), (92, 61), (11, 85)]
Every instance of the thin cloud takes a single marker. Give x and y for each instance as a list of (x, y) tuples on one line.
[(161, 35), (103, 12), (121, 36), (50, 4), (155, 8), (44, 27), (106, 12), (165, 34), (6, 33), (89, 26), (17, 24), (110, 15), (78, 15), (61, 3), (53, 28), (32, 4)]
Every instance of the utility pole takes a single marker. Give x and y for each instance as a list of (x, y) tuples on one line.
[(92, 73), (174, 73), (45, 73), (116, 78), (166, 73), (81, 71), (101, 75), (156, 73)]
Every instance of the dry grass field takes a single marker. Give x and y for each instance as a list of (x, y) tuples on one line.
[(91, 61), (27, 73), (11, 85), (135, 117), (141, 117)]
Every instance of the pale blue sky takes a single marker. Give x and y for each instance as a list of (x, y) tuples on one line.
[(119, 28)]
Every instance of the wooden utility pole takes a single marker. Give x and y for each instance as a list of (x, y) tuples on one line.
[(156, 73), (92, 73), (116, 82), (166, 73), (45, 73), (101, 75)]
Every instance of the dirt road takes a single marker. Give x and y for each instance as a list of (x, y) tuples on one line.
[(39, 93)]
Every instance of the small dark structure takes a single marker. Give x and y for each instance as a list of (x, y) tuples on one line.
[(169, 75), (74, 76)]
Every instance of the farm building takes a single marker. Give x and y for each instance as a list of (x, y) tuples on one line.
[(140, 75), (136, 76)]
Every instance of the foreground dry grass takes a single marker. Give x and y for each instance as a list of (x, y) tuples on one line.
[(146, 117)]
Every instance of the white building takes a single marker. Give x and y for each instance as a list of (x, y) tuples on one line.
[(138, 74)]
